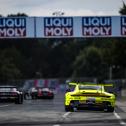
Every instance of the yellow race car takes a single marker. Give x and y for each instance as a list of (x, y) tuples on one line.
[(89, 95)]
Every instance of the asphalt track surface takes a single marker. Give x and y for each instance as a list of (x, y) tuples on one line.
[(44, 112)]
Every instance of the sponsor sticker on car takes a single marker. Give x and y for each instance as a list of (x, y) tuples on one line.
[(90, 100)]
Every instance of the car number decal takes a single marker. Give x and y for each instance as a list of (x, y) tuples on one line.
[(90, 100)]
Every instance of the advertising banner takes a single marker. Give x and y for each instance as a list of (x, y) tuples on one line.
[(123, 26), (88, 26), (96, 26), (58, 26), (15, 27), (63, 27)]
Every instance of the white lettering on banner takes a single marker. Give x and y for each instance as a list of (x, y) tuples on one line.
[(12, 27), (58, 22), (97, 21), (12, 32), (123, 30), (58, 31), (123, 21), (96, 26), (96, 31), (58, 26), (12, 22), (123, 26)]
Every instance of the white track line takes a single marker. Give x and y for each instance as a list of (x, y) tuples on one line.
[(66, 114), (120, 119), (3, 106)]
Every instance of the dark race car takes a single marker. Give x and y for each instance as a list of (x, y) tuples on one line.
[(10, 94), (41, 93)]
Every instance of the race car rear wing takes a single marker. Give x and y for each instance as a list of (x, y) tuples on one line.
[(90, 84)]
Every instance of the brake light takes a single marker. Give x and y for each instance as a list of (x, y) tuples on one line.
[(39, 92), (49, 93)]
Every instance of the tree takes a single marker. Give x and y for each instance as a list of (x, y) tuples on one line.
[(17, 15), (10, 61), (9, 72), (89, 64), (122, 10), (121, 46)]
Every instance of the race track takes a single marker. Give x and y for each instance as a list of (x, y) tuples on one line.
[(44, 112)]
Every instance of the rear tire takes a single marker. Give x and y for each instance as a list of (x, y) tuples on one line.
[(52, 97), (19, 100), (68, 108), (107, 107), (110, 109), (33, 96)]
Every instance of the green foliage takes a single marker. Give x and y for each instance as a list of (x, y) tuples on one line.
[(8, 69), (17, 15), (59, 58), (122, 10), (88, 63)]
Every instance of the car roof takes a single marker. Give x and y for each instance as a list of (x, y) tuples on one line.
[(7, 86)]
